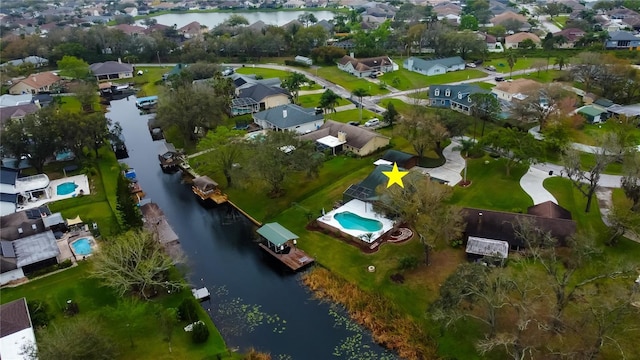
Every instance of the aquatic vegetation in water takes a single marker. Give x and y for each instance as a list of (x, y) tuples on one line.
[(235, 317), (354, 347)]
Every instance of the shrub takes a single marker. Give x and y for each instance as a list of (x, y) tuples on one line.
[(187, 310), (71, 308), (65, 264), (200, 333), (408, 262), (295, 63), (39, 312)]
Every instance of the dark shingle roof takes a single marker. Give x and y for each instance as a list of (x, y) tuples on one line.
[(549, 209), (109, 67), (20, 111), (398, 157), (259, 91), (14, 317), (296, 115), (498, 225), (8, 176), (428, 64), (622, 36), (457, 93)]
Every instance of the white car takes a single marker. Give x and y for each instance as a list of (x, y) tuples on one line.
[(471, 65), (372, 122)]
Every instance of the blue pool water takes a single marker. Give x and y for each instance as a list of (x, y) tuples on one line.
[(82, 246), (351, 221), (66, 188)]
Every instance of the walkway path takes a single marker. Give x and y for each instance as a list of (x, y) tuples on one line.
[(532, 183), (451, 169)]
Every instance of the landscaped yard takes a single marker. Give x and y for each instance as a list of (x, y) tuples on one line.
[(140, 327), (522, 63), (147, 82), (313, 100), (352, 115), (545, 76), (403, 79), (348, 81), (591, 132)]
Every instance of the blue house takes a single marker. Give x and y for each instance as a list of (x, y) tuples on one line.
[(454, 97), (622, 40), (435, 66)]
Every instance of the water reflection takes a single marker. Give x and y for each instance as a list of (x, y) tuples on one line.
[(253, 303)]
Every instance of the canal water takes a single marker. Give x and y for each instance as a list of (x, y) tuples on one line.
[(213, 19), (254, 303)]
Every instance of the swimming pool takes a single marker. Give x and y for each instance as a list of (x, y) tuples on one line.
[(82, 246), (351, 221), (66, 188)]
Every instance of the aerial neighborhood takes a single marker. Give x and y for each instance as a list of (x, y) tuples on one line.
[(314, 179)]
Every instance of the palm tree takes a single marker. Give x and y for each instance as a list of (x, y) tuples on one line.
[(360, 93), (293, 84), (561, 62), (512, 58), (329, 101)]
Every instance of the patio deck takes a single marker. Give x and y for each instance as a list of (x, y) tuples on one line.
[(295, 259), (82, 181)]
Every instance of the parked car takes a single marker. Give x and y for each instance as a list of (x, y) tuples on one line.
[(471, 65), (491, 68), (499, 78), (354, 123), (372, 122)]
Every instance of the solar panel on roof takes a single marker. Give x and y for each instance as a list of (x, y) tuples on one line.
[(7, 249)]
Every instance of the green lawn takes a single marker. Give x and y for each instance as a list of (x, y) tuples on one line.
[(72, 104), (591, 132), (353, 115), (100, 205), (348, 81), (403, 79), (522, 63), (148, 81), (401, 106), (101, 302), (491, 189), (561, 20), (544, 76), (484, 85), (264, 72), (313, 100)]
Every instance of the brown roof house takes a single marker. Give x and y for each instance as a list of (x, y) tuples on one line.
[(36, 83), (515, 90), (366, 67), (344, 137), (17, 112), (508, 18), (513, 41), (192, 30), (570, 36), (16, 330), (132, 30), (503, 226)]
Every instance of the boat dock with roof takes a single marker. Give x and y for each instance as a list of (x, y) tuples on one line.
[(281, 244)]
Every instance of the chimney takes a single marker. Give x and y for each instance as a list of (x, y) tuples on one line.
[(342, 136), (284, 113), (20, 231), (352, 55), (119, 61)]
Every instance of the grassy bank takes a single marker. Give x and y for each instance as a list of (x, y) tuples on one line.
[(99, 301), (403, 79)]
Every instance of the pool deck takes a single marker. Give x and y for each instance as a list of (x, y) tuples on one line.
[(361, 209), (72, 237), (81, 180)]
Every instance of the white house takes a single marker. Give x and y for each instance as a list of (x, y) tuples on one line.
[(434, 67), (16, 331)]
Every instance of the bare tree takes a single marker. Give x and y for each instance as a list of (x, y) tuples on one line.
[(586, 181), (631, 179)]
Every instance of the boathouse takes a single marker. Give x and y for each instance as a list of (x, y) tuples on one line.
[(282, 244), (206, 188)]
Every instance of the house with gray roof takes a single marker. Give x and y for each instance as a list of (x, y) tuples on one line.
[(111, 70), (36, 61), (289, 117), (622, 40), (16, 112), (454, 97), (435, 66)]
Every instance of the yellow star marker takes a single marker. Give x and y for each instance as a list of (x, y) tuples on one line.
[(395, 176)]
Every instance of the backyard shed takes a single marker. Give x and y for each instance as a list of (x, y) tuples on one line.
[(480, 247), (592, 114)]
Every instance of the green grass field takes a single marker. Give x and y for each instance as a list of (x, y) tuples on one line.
[(522, 63), (264, 72), (544, 76), (348, 81), (102, 303), (403, 79), (313, 100)]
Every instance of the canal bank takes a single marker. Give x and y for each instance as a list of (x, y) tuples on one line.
[(253, 302)]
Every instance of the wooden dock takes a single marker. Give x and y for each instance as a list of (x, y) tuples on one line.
[(216, 196), (295, 259)]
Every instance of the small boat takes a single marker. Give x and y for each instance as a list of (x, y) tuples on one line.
[(201, 294)]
